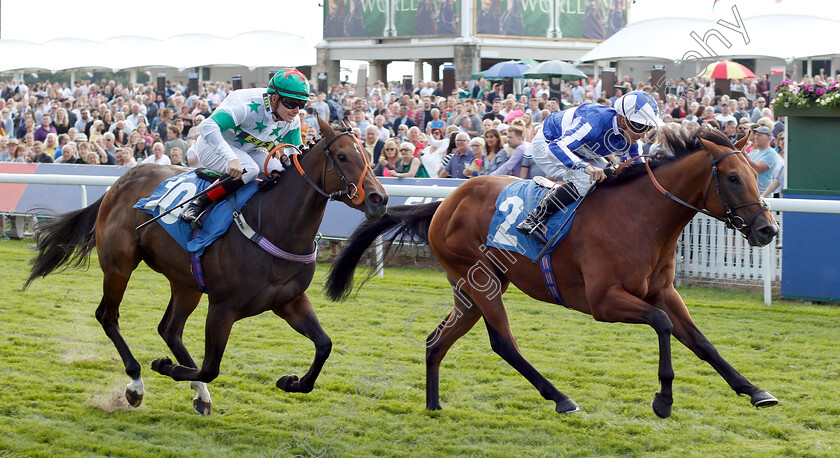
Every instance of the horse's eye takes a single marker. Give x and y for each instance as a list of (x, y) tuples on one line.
[(734, 179), (342, 157)]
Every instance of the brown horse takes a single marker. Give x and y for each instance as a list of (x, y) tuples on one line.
[(626, 278), (242, 279)]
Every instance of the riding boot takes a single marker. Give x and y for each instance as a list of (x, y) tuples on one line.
[(557, 198), (216, 192)]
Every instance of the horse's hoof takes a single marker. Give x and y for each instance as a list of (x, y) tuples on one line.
[(202, 407), (566, 406), (763, 399), (160, 364), (435, 406), (661, 406), (134, 399), (289, 383)]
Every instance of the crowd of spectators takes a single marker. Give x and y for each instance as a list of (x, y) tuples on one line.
[(105, 123), (475, 130)]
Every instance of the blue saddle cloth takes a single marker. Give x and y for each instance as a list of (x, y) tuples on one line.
[(182, 187), (513, 205)]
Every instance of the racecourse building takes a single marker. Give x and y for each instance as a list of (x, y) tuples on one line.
[(471, 34)]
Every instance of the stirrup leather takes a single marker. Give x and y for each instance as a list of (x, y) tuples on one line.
[(558, 196)]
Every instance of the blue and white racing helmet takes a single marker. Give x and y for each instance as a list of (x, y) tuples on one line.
[(638, 107)]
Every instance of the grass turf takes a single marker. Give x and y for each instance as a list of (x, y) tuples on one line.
[(62, 382)]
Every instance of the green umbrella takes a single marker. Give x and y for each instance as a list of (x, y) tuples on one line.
[(530, 62), (556, 68)]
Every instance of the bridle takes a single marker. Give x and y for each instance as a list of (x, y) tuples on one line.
[(355, 192), (731, 220)]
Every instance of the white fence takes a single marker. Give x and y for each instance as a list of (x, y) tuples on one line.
[(706, 249)]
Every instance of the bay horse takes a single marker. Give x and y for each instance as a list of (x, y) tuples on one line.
[(242, 279), (617, 262)]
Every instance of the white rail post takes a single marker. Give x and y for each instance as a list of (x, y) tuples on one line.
[(768, 258), (84, 195), (380, 264)]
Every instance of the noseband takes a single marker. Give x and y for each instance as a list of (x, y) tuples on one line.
[(731, 220), (355, 192)]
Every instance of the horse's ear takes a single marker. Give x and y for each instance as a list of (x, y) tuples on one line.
[(742, 143), (326, 131), (713, 148)]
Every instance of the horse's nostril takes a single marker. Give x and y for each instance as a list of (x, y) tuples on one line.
[(375, 198), (765, 234), (768, 230)]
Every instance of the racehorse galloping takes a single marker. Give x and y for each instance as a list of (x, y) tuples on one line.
[(243, 280), (616, 275)]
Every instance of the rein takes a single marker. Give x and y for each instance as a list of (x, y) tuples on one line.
[(356, 192), (731, 220)]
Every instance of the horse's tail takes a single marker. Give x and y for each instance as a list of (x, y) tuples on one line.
[(409, 223), (64, 242)]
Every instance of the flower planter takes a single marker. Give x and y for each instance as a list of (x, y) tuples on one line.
[(814, 111)]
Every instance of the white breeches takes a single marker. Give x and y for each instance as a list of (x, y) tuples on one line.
[(252, 162)]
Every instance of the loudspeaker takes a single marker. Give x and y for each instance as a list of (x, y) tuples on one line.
[(322, 83), (657, 79), (161, 84), (608, 82), (507, 86), (555, 88), (408, 87), (192, 85), (722, 87), (448, 80)]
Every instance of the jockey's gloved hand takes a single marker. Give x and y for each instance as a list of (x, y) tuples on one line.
[(610, 173), (285, 160)]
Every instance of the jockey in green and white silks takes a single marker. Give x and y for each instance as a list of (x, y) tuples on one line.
[(236, 138)]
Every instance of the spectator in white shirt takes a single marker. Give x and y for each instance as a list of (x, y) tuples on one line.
[(158, 156)]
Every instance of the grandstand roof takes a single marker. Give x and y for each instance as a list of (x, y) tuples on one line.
[(250, 49), (770, 36)]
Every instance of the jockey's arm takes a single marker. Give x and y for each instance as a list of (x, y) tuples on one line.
[(564, 149), (211, 131), (565, 146)]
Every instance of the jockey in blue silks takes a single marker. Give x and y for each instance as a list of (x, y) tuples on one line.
[(574, 143)]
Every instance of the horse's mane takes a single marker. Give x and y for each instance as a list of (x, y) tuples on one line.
[(679, 145)]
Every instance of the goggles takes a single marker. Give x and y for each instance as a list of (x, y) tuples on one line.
[(292, 103), (638, 127)]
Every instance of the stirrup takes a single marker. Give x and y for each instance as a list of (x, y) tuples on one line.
[(198, 224), (195, 222), (533, 231)]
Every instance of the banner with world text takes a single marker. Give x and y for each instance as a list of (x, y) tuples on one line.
[(563, 19), (391, 18)]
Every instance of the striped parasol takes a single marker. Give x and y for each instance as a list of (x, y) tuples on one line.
[(727, 70)]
